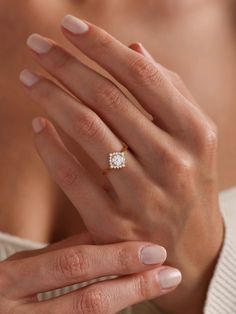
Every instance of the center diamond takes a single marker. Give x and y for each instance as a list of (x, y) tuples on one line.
[(117, 160)]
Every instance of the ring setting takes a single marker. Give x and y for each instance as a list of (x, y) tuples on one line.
[(116, 160)]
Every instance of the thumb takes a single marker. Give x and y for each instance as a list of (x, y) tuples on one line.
[(172, 76)]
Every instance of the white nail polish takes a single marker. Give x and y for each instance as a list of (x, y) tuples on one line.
[(169, 278), (151, 255), (39, 44), (38, 125), (74, 25), (28, 78)]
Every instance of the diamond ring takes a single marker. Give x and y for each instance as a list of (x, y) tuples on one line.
[(117, 159)]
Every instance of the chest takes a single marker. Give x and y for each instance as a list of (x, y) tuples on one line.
[(197, 44)]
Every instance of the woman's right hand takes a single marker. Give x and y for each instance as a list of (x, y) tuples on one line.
[(138, 264)]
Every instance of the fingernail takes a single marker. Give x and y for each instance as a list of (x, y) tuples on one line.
[(151, 255), (74, 25), (28, 78), (144, 52), (38, 125), (169, 278), (39, 44)]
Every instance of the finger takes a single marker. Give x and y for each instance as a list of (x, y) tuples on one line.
[(83, 238), (86, 128), (76, 264), (173, 77), (114, 295), (99, 93), (84, 195), (77, 184), (144, 79), (138, 47)]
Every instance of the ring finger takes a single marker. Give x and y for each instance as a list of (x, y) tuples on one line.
[(85, 127)]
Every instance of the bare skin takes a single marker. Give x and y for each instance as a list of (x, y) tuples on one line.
[(75, 260), (178, 47), (168, 34)]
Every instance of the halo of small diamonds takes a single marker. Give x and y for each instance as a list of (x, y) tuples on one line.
[(117, 160)]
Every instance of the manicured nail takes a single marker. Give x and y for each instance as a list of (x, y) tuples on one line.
[(169, 278), (39, 44), (38, 125), (151, 255), (28, 78), (74, 25)]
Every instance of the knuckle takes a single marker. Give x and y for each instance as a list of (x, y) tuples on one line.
[(44, 90), (103, 40), (210, 137), (125, 259), (141, 284), (184, 166), (184, 173), (71, 265), (109, 97), (176, 159), (67, 175), (59, 60), (144, 71), (178, 162), (87, 125), (171, 157), (91, 301)]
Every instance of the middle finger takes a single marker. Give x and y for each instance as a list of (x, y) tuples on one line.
[(100, 94)]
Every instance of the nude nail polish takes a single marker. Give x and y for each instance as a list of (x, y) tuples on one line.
[(169, 278), (151, 255), (39, 44), (38, 125), (74, 25), (28, 78)]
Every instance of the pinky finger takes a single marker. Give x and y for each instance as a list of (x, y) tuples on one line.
[(112, 296), (173, 77), (78, 184)]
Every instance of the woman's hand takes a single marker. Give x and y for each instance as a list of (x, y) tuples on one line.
[(25, 275), (167, 193)]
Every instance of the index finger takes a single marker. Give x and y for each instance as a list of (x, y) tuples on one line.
[(82, 238), (58, 269), (141, 76)]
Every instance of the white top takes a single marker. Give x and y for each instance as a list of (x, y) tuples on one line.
[(221, 296)]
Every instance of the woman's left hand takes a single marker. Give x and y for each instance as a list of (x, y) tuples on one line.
[(167, 193)]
